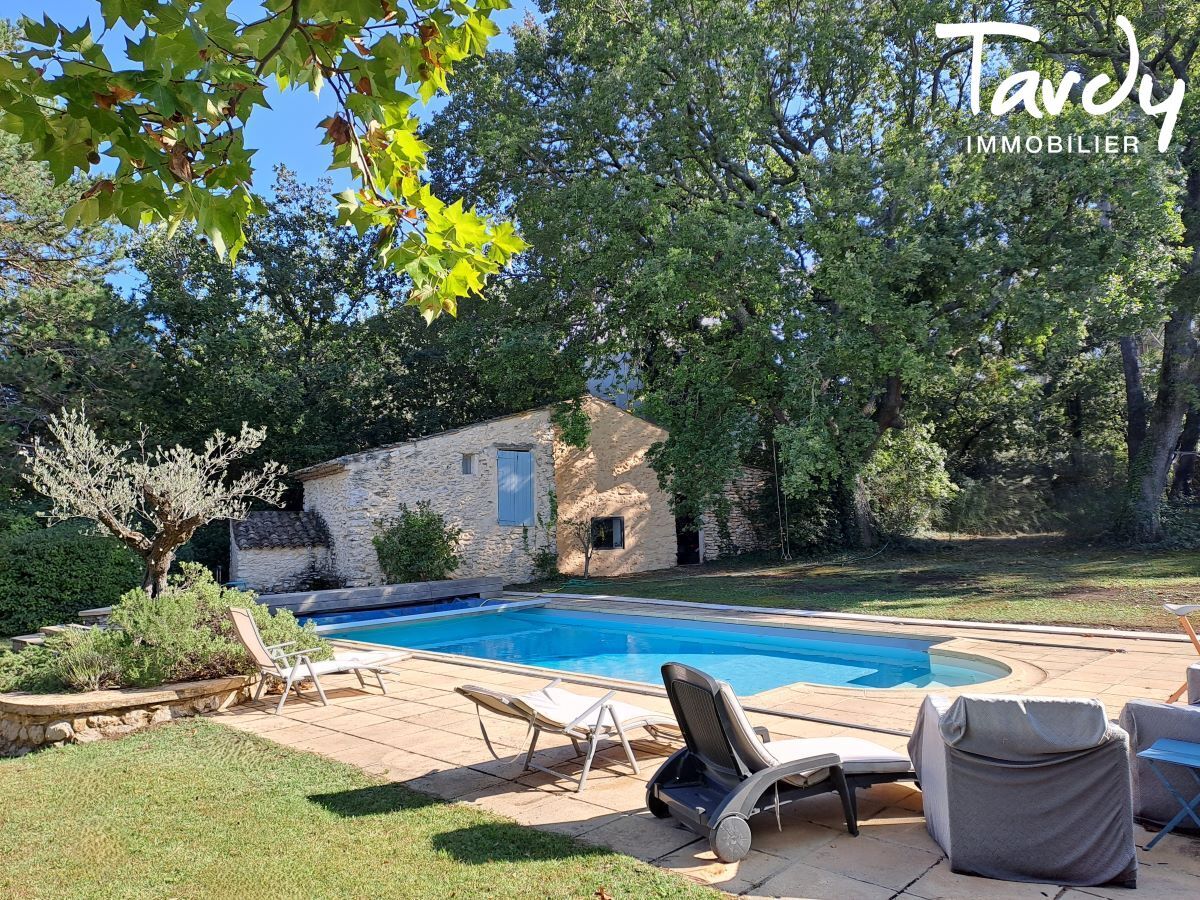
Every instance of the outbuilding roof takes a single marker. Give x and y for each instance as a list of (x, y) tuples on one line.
[(333, 466), (280, 529)]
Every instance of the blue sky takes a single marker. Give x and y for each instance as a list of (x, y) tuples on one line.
[(287, 133)]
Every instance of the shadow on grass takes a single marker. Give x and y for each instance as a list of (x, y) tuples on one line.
[(491, 842), (376, 800)]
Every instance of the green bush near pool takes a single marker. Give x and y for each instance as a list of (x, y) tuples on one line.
[(183, 634)]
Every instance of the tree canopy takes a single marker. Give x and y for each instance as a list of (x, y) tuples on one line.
[(768, 215), (165, 132), (763, 224)]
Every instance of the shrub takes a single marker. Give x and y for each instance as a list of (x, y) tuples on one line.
[(416, 545), (184, 633), (545, 563), (907, 481), (33, 669), (47, 575), (1002, 505), (181, 635), (88, 660)]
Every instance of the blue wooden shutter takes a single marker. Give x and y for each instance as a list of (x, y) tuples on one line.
[(514, 469)]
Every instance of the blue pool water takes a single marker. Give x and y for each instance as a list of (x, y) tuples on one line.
[(750, 657)]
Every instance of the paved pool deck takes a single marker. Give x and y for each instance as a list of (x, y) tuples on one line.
[(427, 736)]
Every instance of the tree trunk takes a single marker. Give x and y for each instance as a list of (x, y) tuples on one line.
[(865, 534), (886, 411), (1075, 417), (1149, 470), (1177, 379), (158, 565), (1135, 400), (1185, 460)]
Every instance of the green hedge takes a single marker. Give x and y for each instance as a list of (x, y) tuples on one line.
[(47, 575)]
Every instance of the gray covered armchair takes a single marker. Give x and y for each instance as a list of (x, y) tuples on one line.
[(1148, 721), (1027, 789)]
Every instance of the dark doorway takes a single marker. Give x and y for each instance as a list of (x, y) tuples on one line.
[(687, 541)]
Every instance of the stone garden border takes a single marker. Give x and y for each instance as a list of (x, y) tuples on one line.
[(29, 721)]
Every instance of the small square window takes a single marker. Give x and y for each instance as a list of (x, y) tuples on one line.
[(608, 533), (468, 463)]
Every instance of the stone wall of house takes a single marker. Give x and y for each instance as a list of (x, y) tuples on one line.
[(746, 528), (612, 477), (374, 484), (276, 570), (31, 721)]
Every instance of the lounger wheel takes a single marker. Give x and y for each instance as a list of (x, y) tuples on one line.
[(730, 840)]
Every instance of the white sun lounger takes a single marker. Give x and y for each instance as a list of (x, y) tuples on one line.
[(581, 718), (293, 666)]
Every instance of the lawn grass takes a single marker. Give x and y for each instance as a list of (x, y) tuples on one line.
[(1035, 580), (195, 809)]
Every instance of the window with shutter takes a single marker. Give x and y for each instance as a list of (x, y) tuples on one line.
[(514, 470)]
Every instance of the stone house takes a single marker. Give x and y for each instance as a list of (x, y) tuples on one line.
[(501, 481)]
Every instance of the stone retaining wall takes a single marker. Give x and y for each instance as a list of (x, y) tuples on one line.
[(30, 721), (746, 529)]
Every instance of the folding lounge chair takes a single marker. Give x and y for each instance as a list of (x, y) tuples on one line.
[(730, 770), (1182, 612), (556, 710), (293, 666)]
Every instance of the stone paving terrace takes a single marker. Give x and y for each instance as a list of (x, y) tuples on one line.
[(427, 736)]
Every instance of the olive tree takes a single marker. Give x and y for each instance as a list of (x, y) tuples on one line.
[(153, 500)]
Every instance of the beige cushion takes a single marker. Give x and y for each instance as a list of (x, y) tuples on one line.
[(367, 658), (858, 756), (343, 662), (558, 705)]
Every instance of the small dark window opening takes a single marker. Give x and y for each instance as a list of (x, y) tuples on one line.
[(468, 463), (608, 533)]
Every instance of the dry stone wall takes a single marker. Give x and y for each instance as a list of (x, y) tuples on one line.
[(745, 529), (31, 721), (276, 570)]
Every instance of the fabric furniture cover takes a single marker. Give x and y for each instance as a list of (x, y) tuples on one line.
[(1027, 789), (1148, 721)]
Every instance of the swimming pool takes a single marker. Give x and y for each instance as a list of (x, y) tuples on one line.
[(753, 658)]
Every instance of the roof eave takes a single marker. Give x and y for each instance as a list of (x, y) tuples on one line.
[(320, 470)]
